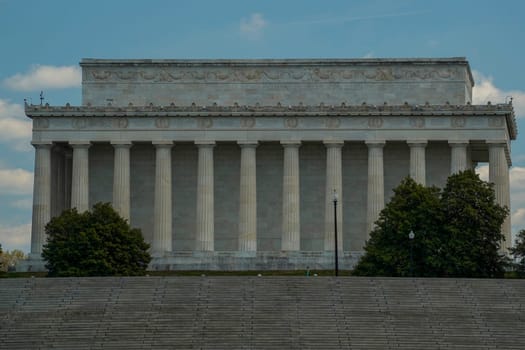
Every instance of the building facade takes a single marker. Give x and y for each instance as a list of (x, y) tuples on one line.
[(233, 164)]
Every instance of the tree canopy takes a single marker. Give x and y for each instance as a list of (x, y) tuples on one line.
[(519, 253), (457, 231), (94, 243)]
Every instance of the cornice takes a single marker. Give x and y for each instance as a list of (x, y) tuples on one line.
[(342, 110)]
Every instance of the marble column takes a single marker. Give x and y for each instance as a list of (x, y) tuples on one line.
[(248, 198), (57, 195), (376, 183), (121, 184), (162, 224), (458, 156), (68, 174), (291, 238), (417, 161), (334, 182), (204, 240), (80, 176), (41, 197), (499, 176)]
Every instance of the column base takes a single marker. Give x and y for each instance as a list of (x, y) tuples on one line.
[(34, 263), (260, 261)]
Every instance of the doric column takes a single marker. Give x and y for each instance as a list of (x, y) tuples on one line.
[(291, 238), (334, 182), (376, 183), (162, 225), (204, 240), (121, 185), (458, 156), (41, 197), (80, 176), (499, 176), (58, 165), (68, 174), (248, 198), (417, 161)]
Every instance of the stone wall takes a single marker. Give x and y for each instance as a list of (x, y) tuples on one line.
[(269, 82)]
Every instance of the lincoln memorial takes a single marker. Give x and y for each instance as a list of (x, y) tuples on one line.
[(233, 164)]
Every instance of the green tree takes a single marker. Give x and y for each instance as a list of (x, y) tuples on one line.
[(413, 207), (471, 235), (94, 243), (519, 253), (457, 231)]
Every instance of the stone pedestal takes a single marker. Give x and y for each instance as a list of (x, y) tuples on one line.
[(291, 239), (205, 197), (376, 183), (121, 184), (417, 161), (162, 225), (80, 176), (41, 197), (248, 198), (334, 180)]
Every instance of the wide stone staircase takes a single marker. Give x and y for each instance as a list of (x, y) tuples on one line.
[(261, 313)]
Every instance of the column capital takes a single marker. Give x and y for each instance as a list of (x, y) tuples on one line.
[(495, 143), (333, 143), (417, 143), (162, 144), (248, 144), (80, 144), (375, 143), (291, 143), (458, 143), (204, 143), (42, 144), (122, 144)]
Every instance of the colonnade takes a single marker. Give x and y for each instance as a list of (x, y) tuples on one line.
[(247, 226)]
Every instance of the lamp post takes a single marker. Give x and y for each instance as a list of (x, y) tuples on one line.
[(411, 237), (335, 234)]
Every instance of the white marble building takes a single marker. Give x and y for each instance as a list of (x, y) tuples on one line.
[(232, 164)]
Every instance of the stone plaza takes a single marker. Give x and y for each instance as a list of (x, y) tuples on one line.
[(233, 164)]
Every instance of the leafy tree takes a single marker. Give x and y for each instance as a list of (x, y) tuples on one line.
[(412, 208), (10, 258), (471, 235), (94, 243), (457, 231), (519, 253)]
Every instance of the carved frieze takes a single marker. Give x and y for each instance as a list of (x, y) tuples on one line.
[(264, 74), (204, 123), (457, 122), (162, 123), (291, 122), (41, 123), (247, 122), (332, 122), (495, 122), (120, 123), (375, 122), (417, 122)]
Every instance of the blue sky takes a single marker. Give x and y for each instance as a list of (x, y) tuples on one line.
[(41, 43)]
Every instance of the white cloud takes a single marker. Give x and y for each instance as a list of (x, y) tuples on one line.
[(45, 77), (253, 27), (16, 181), (484, 91), (517, 194), (15, 127), (369, 55), (16, 237)]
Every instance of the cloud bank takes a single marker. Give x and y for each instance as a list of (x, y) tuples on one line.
[(45, 77), (15, 127), (484, 91)]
